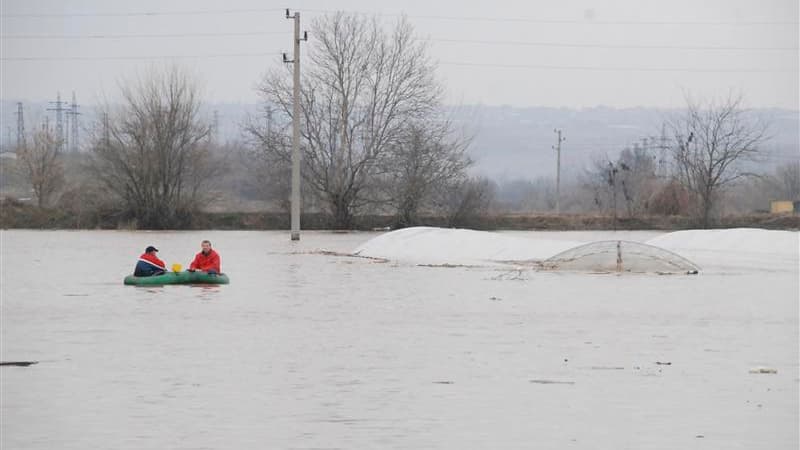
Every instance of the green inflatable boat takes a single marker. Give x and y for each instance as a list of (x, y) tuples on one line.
[(177, 278)]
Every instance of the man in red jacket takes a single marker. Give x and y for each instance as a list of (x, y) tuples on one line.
[(207, 260)]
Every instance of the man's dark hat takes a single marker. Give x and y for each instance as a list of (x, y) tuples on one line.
[(150, 249)]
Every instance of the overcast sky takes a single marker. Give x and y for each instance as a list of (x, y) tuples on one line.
[(620, 53)]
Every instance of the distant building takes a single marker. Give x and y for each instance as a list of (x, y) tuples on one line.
[(784, 207)]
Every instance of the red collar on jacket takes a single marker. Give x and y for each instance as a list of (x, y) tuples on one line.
[(153, 259)]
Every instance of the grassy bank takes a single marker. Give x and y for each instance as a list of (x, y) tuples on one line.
[(19, 215)]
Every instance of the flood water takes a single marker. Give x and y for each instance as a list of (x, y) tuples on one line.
[(306, 349)]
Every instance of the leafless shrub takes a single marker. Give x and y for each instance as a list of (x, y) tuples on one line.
[(464, 200), (426, 158), (153, 152), (42, 165)]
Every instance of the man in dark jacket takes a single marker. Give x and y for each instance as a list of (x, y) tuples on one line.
[(149, 264)]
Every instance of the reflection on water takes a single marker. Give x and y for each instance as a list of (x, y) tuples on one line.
[(208, 292), (307, 349)]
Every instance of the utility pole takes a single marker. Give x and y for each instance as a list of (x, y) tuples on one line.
[(215, 136), (612, 181), (106, 130), (20, 127), (557, 148), (296, 125)]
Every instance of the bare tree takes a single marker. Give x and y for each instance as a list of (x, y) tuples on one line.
[(41, 161), (628, 182), (711, 142), (787, 181), (671, 199), (361, 89), (463, 200), (638, 180), (426, 157), (153, 151), (269, 160), (602, 179)]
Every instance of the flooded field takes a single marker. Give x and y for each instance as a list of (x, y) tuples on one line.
[(307, 348)]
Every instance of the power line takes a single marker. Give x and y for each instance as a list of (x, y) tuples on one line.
[(410, 16), (449, 63), (781, 157), (612, 46), (136, 36), (138, 13), (613, 69), (457, 41), (143, 57), (567, 21)]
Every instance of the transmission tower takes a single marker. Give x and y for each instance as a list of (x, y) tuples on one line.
[(72, 114), (20, 127), (59, 109), (66, 143), (663, 147)]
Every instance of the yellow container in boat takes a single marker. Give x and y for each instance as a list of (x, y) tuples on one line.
[(176, 268)]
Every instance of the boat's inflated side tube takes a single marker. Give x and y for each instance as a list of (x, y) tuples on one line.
[(178, 278)]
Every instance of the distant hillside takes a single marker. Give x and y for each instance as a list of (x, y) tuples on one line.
[(517, 142)]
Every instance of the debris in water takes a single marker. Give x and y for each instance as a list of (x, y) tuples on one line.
[(667, 363), (551, 382), (763, 370), (18, 363), (443, 382)]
